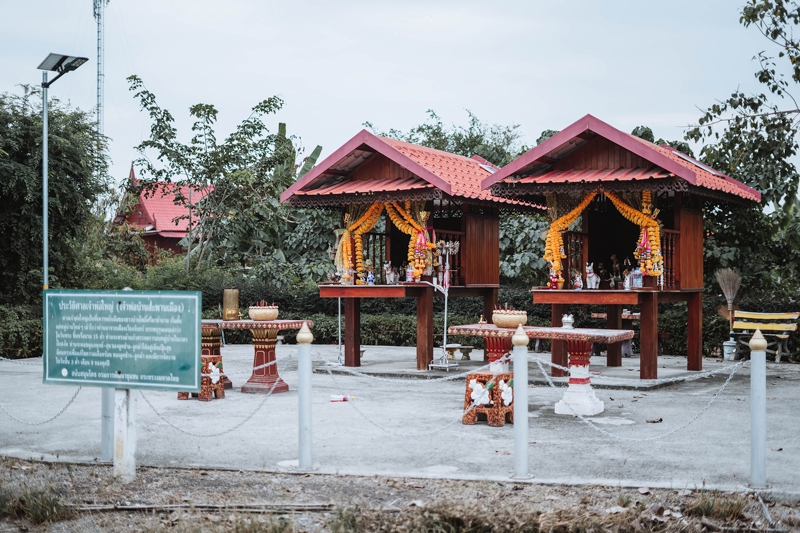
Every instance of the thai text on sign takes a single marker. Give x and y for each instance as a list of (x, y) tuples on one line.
[(123, 339)]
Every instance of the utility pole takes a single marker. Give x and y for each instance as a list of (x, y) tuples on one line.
[(107, 419)]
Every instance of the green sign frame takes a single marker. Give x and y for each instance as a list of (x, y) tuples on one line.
[(123, 339)]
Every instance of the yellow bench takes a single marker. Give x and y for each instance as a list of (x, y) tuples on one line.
[(776, 327)]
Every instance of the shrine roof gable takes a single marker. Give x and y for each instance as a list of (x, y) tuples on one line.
[(345, 159), (540, 159)]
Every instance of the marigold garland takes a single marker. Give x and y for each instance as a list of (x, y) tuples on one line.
[(554, 244)]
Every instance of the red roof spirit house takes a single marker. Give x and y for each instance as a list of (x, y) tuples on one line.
[(640, 205), (425, 198)]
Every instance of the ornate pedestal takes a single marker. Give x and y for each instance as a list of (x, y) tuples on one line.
[(579, 398), (264, 379), (208, 389), (497, 409), (211, 341)]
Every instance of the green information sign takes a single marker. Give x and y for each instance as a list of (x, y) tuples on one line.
[(123, 339)]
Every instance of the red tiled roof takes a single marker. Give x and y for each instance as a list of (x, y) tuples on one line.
[(464, 174), (362, 187), (454, 175), (159, 210), (597, 175), (706, 176), (531, 166)]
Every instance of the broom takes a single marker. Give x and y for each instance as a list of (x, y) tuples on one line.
[(729, 281)]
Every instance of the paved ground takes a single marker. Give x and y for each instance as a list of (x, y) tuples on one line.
[(411, 427)]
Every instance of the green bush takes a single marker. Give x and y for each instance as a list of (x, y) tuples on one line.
[(20, 331)]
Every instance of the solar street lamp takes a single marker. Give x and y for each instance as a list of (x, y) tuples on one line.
[(61, 64)]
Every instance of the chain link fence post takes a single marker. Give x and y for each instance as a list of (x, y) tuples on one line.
[(304, 339), (520, 341), (758, 410), (125, 435)]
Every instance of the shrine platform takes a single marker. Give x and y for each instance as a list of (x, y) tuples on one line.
[(712, 452)]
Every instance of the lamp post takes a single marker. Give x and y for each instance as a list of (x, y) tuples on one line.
[(61, 64)]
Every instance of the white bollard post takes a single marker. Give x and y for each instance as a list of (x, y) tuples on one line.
[(758, 410), (304, 339), (107, 424), (125, 435), (520, 341)]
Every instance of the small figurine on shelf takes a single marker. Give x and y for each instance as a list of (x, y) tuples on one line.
[(391, 273), (577, 282), (615, 267), (592, 279), (410, 273), (370, 277), (627, 277), (553, 285), (636, 278)]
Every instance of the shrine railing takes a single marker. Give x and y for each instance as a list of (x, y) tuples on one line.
[(670, 250), (576, 247), (375, 253), (456, 275)]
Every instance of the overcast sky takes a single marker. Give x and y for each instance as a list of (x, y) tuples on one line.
[(337, 64)]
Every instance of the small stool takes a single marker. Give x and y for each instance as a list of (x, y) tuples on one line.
[(208, 389), (496, 411), (465, 351), (451, 350)]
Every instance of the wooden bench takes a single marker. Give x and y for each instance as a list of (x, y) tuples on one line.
[(776, 327)]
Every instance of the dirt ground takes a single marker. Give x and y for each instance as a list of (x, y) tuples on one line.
[(87, 498)]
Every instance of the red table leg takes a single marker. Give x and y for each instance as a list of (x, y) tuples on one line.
[(579, 398), (496, 347), (263, 379)]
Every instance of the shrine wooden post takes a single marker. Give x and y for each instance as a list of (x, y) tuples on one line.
[(352, 332)]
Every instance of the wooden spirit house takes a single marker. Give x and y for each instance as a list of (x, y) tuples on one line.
[(398, 200), (639, 201)]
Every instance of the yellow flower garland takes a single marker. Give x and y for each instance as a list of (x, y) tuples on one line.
[(554, 244)]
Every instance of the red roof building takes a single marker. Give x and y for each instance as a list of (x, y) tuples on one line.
[(163, 218), (374, 172), (612, 179)]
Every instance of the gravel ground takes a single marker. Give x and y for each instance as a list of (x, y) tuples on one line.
[(223, 500)]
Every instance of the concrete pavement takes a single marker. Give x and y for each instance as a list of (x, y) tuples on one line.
[(411, 427)]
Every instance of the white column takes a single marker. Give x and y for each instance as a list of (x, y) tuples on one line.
[(125, 435), (304, 339), (758, 410), (520, 354)]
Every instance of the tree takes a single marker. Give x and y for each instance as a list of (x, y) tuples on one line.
[(240, 221), (753, 138), (521, 235), (77, 179)]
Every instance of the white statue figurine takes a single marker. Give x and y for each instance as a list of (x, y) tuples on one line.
[(592, 279), (567, 321), (577, 284)]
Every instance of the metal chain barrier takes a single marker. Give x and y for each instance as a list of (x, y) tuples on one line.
[(15, 419), (396, 433), (16, 362), (649, 439), (237, 426), (328, 364), (692, 377)]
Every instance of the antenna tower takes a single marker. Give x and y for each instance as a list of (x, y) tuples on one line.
[(99, 16)]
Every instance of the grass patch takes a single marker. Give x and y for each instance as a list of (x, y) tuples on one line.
[(37, 505), (345, 520), (715, 505), (623, 500)]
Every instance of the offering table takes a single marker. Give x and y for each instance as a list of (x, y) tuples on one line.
[(265, 336), (580, 397), (647, 298)]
